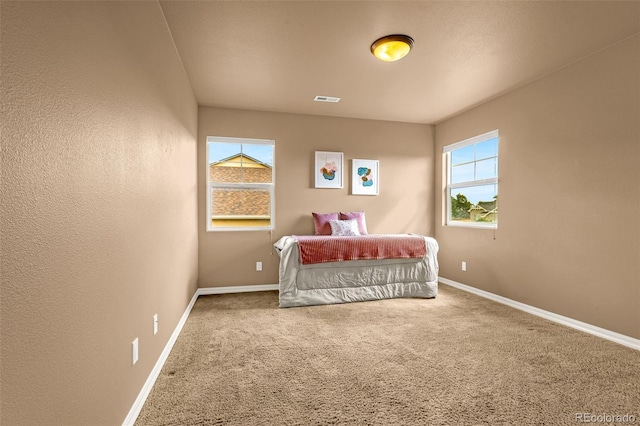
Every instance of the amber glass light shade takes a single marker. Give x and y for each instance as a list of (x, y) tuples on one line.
[(392, 47)]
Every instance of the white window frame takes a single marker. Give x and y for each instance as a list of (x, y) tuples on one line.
[(446, 151), (271, 187)]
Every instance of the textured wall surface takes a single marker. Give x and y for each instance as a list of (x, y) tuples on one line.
[(98, 206), (405, 203), (568, 240)]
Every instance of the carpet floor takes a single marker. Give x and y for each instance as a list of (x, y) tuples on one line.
[(456, 359)]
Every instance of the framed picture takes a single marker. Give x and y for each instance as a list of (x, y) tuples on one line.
[(329, 169), (365, 177)]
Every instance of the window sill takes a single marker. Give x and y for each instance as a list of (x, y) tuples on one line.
[(235, 229), (473, 225)]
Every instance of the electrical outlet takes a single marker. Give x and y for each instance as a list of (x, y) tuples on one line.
[(464, 266), (155, 324), (134, 351), (258, 266)]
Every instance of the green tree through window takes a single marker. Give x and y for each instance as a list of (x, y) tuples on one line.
[(460, 207)]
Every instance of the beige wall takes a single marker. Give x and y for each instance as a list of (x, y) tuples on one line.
[(99, 195), (405, 203), (98, 206), (569, 234)]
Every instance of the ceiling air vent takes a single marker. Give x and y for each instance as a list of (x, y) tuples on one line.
[(326, 99)]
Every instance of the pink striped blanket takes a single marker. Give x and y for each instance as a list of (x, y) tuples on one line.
[(322, 249)]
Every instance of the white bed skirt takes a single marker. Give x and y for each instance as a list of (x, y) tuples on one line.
[(355, 280)]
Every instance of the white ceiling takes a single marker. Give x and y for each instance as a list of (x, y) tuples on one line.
[(276, 56)]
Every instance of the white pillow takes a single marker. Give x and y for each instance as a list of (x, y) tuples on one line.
[(344, 228)]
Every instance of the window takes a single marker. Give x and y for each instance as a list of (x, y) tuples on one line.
[(240, 184), (472, 181)]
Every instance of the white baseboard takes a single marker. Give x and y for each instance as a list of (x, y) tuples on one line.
[(569, 322), (155, 372), (236, 289)]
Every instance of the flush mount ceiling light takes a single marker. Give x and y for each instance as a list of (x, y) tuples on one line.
[(392, 47)]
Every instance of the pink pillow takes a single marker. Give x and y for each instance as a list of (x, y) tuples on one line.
[(359, 217), (321, 222)]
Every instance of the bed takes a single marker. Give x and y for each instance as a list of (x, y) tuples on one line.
[(322, 269)]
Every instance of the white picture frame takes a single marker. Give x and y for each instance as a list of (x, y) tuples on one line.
[(329, 169), (365, 177)]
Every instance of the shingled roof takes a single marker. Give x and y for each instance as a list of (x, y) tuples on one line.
[(488, 205), (240, 168), (240, 157), (242, 202)]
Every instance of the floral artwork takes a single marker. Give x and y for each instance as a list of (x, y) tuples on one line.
[(365, 177), (328, 169)]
